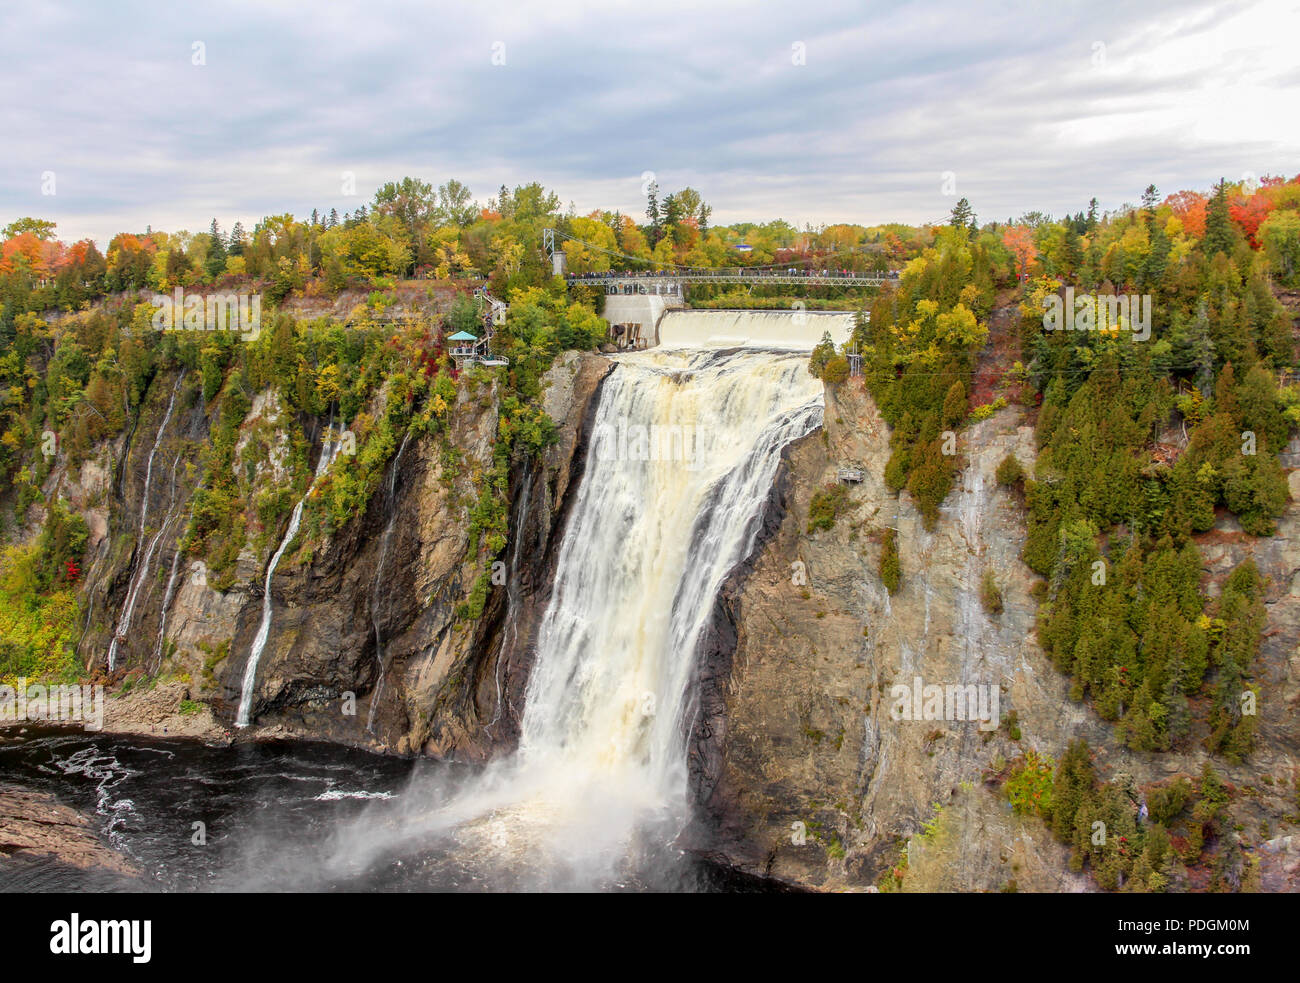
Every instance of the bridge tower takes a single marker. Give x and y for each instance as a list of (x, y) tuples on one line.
[(559, 259)]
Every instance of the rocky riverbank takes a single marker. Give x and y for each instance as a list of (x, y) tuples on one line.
[(35, 825)]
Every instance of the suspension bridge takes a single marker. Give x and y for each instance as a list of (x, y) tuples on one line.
[(812, 272)]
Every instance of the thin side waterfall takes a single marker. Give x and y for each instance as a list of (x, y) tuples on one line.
[(168, 594), (685, 448), (512, 581), (264, 628), (142, 569), (378, 582), (171, 577)]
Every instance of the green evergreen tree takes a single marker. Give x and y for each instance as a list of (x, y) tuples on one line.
[(1220, 234), (215, 263)]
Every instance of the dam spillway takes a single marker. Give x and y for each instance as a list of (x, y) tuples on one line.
[(794, 331)]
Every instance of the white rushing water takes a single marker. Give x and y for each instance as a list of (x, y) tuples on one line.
[(142, 567), (600, 774), (264, 628), (786, 330), (379, 584), (512, 585)]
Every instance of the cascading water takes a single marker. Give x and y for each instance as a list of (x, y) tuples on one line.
[(142, 569), (264, 628), (168, 594), (684, 451), (650, 543), (512, 584), (797, 331), (378, 583)]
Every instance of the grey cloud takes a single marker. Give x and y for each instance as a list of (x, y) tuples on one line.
[(890, 96)]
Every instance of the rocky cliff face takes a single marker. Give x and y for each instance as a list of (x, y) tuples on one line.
[(797, 740), (802, 771), (365, 646)]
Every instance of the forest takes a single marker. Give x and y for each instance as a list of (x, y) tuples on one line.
[(1140, 441)]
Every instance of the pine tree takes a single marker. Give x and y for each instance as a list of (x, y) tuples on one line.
[(821, 354), (1149, 198), (954, 405), (1219, 230), (1072, 788), (1073, 251), (672, 213), (1195, 349), (215, 264), (1157, 258), (652, 214), (962, 215)]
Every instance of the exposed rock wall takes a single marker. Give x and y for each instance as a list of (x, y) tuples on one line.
[(390, 580), (797, 727), (794, 731)]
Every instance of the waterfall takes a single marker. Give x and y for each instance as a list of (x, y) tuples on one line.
[(684, 451), (264, 629), (649, 546), (142, 570), (168, 594), (793, 331), (378, 584), (512, 583)]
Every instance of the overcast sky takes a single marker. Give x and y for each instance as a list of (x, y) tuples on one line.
[(812, 112)]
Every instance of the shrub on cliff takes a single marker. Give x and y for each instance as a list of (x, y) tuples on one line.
[(826, 507), (821, 355), (836, 371), (1010, 473), (930, 479), (891, 571), (990, 593), (1030, 786)]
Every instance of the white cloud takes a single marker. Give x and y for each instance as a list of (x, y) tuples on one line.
[(1010, 98)]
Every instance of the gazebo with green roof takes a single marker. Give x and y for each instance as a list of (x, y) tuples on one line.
[(465, 350)]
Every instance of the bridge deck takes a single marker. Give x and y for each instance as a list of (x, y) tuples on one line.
[(808, 280)]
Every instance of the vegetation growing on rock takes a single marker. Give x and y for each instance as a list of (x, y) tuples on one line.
[(891, 571), (990, 593), (826, 506)]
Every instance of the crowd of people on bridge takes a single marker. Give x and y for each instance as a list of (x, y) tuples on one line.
[(736, 272)]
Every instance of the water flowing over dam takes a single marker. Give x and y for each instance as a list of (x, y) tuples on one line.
[(683, 454), (785, 330)]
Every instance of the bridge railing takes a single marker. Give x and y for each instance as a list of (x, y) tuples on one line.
[(737, 276)]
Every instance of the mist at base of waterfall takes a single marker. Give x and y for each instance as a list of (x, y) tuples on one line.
[(597, 793), (596, 797), (278, 816)]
